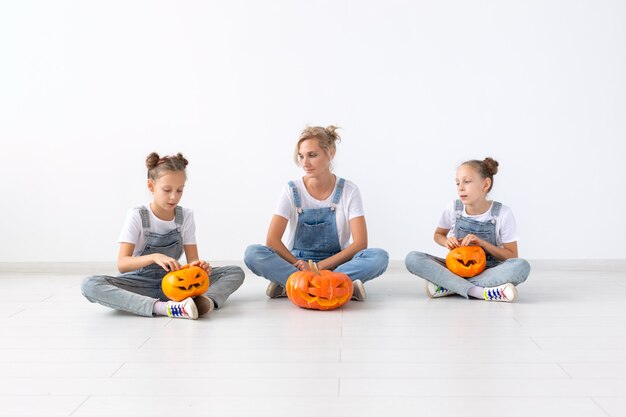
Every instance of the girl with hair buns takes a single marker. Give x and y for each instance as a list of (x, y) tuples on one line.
[(474, 220), (152, 241), (324, 220)]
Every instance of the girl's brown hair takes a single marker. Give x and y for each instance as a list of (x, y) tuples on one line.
[(326, 136), (487, 168), (157, 165)]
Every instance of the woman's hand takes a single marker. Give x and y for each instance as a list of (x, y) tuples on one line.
[(165, 262), (471, 240), (202, 264), (302, 265)]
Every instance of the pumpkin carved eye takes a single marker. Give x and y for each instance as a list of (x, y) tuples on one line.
[(186, 282), (319, 290), (466, 261)]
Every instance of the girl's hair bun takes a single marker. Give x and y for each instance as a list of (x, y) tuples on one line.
[(491, 165), (152, 160)]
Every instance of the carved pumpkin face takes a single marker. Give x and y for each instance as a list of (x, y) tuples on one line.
[(189, 281), (319, 290), (466, 261)]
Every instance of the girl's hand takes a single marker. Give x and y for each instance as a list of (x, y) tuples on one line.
[(471, 240), (165, 262), (452, 242), (202, 264), (302, 265)]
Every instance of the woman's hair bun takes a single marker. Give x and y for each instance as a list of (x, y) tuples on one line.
[(331, 131)]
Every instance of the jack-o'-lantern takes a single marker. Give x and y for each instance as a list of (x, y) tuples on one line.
[(466, 261), (189, 281), (319, 290)]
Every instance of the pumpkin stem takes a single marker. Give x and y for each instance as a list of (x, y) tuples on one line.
[(313, 267)]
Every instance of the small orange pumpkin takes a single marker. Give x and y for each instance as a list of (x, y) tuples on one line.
[(189, 281), (319, 290), (466, 261)]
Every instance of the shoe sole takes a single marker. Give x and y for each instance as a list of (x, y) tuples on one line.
[(358, 288)]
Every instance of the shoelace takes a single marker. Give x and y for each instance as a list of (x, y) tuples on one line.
[(494, 294), (177, 310), (441, 290)]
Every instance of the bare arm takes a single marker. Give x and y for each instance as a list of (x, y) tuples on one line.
[(507, 252), (358, 229), (191, 255), (274, 236), (126, 262)]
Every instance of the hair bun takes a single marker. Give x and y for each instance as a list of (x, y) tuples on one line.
[(182, 159), (152, 160), (331, 131), (491, 165)]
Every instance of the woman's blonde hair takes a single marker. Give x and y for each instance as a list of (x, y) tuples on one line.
[(326, 137)]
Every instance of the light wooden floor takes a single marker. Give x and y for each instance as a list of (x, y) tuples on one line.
[(559, 351)]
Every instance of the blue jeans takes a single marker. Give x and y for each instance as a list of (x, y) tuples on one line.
[(137, 293), (265, 262), (433, 269)]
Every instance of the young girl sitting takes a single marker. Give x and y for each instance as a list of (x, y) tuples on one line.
[(151, 243), (474, 220)]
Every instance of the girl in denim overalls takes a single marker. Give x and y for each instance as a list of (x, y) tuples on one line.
[(320, 213), (152, 241), (473, 220)]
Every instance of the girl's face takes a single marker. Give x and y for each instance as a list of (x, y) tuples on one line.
[(470, 186), (167, 190), (313, 159)]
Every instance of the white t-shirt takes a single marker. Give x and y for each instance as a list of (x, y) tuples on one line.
[(506, 228), (350, 206), (132, 231)]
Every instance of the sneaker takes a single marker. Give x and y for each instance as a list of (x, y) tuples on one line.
[(204, 304), (358, 293), (435, 291), (275, 290), (185, 309), (506, 293)]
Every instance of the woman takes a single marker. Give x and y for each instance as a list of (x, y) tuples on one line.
[(320, 213)]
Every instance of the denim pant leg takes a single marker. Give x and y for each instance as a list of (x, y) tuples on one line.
[(265, 262), (365, 265), (433, 269), (514, 271), (224, 280), (132, 293)]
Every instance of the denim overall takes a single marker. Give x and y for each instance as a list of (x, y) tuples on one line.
[(433, 268), (316, 232), (169, 244), (484, 230)]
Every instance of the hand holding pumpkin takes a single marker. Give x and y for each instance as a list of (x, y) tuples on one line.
[(202, 264), (471, 239), (165, 262)]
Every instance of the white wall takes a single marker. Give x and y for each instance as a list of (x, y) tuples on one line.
[(88, 89)]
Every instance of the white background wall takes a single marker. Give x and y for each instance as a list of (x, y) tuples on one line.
[(88, 89)]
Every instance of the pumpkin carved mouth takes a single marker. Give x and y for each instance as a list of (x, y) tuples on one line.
[(466, 263)]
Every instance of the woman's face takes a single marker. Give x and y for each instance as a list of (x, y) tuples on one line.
[(312, 158), (470, 186)]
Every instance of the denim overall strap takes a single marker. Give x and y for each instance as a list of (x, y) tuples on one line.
[(458, 208), (340, 183), (169, 244), (296, 196), (484, 230), (316, 236)]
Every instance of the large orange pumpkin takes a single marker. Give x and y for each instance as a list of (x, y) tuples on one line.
[(466, 261), (189, 281), (319, 290)]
